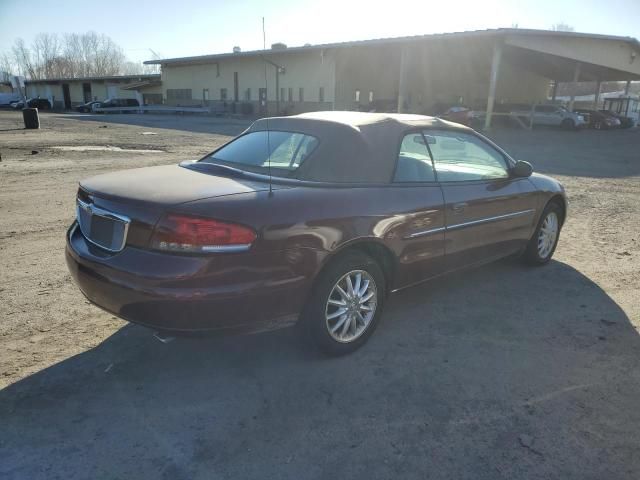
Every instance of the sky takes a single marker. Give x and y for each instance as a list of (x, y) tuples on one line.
[(177, 28)]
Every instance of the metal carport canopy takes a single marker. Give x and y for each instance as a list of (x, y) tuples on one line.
[(601, 57)]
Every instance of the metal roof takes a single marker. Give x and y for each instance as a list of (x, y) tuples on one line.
[(387, 41), (142, 84), (153, 76)]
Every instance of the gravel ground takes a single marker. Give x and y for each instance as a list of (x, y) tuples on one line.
[(500, 372)]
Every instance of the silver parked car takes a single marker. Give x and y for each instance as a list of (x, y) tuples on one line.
[(552, 116)]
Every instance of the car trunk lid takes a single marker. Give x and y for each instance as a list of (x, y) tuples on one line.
[(143, 195), (166, 185)]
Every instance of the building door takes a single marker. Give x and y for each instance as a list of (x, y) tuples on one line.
[(262, 96), (86, 92), (67, 96), (236, 87)]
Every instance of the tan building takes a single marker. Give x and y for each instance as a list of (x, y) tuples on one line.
[(66, 93), (420, 74), (295, 81)]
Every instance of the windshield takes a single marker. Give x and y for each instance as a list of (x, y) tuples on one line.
[(284, 152)]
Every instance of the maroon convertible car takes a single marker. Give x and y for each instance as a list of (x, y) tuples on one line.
[(313, 218)]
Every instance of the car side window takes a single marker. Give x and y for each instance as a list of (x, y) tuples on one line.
[(462, 157), (414, 162)]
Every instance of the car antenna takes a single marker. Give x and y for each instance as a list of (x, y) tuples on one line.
[(266, 105)]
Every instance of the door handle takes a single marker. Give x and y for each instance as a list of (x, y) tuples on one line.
[(459, 207)]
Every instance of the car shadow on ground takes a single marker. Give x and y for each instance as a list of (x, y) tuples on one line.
[(499, 372), (189, 123)]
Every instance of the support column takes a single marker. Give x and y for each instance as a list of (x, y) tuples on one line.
[(597, 96), (554, 91), (493, 81), (626, 88), (402, 80), (278, 91), (576, 77)]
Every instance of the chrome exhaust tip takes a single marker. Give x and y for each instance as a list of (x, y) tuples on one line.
[(162, 337)]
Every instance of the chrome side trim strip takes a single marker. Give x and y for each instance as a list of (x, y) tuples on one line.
[(490, 219), (456, 226), (226, 248), (424, 233)]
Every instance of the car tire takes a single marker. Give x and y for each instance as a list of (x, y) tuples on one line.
[(568, 124), (354, 325), (544, 240)]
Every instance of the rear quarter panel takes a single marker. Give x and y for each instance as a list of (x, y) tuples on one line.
[(329, 219)]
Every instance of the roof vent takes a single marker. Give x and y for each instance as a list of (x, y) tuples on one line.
[(278, 46), (237, 49)]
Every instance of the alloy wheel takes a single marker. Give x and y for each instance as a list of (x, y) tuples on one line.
[(548, 235), (351, 306)]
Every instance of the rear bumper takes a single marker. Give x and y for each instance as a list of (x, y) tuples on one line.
[(244, 292)]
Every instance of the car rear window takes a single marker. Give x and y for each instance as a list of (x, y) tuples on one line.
[(282, 151)]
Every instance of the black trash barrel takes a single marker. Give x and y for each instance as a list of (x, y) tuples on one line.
[(31, 119)]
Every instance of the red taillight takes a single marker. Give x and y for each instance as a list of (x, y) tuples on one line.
[(182, 233)]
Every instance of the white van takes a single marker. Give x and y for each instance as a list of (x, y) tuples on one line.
[(8, 98)]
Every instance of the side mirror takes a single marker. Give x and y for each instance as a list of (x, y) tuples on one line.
[(522, 169)]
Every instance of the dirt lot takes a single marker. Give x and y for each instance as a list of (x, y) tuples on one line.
[(501, 372)]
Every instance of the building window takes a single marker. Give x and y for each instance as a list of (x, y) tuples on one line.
[(301, 95), (205, 94), (247, 95), (371, 97), (321, 94), (282, 94), (290, 94), (223, 94), (178, 94), (357, 99)]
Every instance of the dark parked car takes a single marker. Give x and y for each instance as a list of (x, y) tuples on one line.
[(625, 122), (459, 114), (118, 102), (342, 210), (86, 107), (39, 103), (599, 120)]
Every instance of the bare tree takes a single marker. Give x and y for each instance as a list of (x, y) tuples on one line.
[(562, 27), (22, 58), (45, 50), (72, 55), (132, 68), (6, 67), (135, 68), (72, 51)]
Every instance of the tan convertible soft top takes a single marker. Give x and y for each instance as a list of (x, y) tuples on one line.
[(353, 146)]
